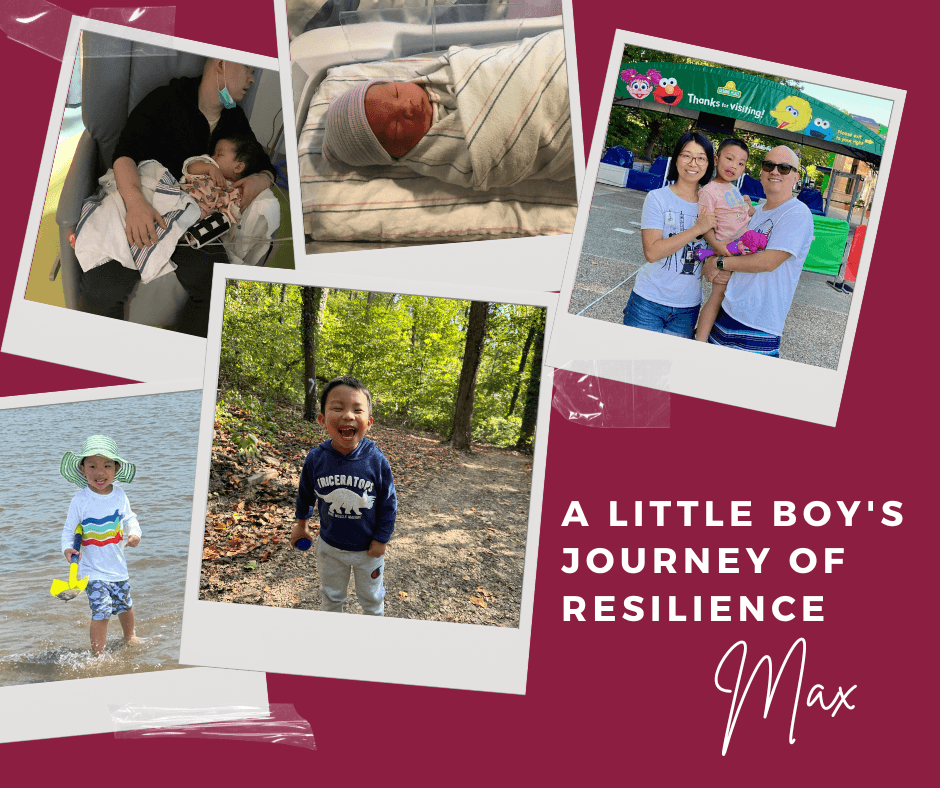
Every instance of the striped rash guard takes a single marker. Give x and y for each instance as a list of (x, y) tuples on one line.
[(104, 521)]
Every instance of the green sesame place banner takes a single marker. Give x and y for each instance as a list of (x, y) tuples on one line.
[(745, 97)]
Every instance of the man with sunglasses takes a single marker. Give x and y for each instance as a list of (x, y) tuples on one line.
[(759, 294)]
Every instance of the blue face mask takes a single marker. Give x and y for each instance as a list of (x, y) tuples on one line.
[(224, 96)]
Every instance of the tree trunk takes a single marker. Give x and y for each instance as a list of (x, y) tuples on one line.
[(460, 429), (313, 300), (531, 409), (525, 357)]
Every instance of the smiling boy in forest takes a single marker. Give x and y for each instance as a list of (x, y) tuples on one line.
[(349, 480)]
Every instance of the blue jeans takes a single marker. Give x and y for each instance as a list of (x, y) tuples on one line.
[(642, 313)]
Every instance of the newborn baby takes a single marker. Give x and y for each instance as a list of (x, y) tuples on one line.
[(376, 123), (475, 118)]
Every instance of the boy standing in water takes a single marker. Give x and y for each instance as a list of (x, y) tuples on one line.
[(349, 480), (101, 514)]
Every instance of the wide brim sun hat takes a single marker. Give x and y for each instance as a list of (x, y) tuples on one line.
[(103, 446), (347, 137)]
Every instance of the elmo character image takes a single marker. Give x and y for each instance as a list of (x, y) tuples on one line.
[(668, 92)]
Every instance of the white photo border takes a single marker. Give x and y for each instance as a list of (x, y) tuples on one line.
[(517, 263), (35, 711), (41, 331), (781, 387), (316, 643)]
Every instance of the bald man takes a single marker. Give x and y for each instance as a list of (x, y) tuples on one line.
[(759, 294)]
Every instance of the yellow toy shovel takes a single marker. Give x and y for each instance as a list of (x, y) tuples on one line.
[(67, 591)]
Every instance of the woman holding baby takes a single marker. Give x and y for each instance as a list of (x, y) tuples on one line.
[(169, 125)]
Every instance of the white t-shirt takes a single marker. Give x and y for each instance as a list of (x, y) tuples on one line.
[(105, 520), (663, 281), (762, 300)]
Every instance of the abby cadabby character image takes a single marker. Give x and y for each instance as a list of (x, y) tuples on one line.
[(639, 86)]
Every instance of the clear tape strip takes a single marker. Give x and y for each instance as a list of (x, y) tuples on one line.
[(44, 26), (600, 398), (156, 19), (277, 723)]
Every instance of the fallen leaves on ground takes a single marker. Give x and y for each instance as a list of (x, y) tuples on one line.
[(246, 513)]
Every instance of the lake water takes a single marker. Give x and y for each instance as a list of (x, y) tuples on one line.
[(43, 638)]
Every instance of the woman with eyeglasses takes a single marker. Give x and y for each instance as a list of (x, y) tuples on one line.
[(758, 297), (667, 294)]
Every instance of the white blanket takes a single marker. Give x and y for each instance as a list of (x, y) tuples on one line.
[(397, 204), (100, 235), (510, 118)]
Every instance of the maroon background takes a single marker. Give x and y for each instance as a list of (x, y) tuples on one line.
[(634, 703)]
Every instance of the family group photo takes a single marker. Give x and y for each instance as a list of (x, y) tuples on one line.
[(730, 207)]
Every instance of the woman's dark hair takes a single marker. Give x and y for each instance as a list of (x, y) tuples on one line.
[(249, 152), (733, 141), (685, 139), (344, 380)]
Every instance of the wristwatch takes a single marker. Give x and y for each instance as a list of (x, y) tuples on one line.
[(720, 262)]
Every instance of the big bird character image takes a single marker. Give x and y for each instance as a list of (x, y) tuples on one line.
[(792, 113)]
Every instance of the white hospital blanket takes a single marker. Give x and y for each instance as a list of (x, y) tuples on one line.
[(395, 203), (511, 120), (100, 234)]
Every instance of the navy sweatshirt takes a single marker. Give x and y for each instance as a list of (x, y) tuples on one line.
[(354, 492)]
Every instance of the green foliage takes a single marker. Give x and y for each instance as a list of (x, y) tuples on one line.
[(633, 128), (249, 419), (407, 349), (260, 351), (497, 430), (247, 444)]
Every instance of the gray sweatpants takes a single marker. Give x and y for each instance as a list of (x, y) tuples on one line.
[(334, 564)]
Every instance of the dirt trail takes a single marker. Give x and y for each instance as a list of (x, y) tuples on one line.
[(457, 553)]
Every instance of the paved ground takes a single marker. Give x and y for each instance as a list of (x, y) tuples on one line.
[(612, 254)]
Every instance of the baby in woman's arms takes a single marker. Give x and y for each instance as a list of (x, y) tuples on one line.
[(211, 216), (208, 180)]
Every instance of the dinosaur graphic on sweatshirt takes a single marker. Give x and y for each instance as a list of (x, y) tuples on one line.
[(346, 501)]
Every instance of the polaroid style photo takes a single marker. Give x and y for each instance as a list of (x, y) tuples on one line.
[(706, 160), (444, 140), (124, 597), (371, 462), (130, 97)]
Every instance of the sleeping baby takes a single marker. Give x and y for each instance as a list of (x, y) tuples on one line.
[(208, 180), (376, 123), (477, 118)]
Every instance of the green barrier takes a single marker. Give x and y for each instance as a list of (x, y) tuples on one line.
[(828, 247)]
